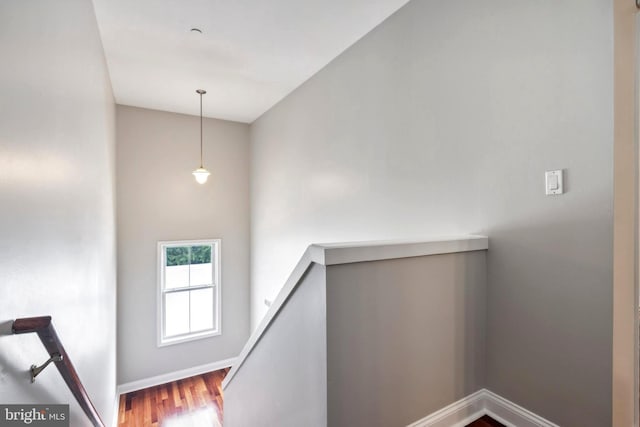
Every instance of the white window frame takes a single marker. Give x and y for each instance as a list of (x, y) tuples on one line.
[(216, 285)]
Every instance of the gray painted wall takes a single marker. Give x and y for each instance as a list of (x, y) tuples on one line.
[(283, 382), (442, 121), (57, 221), (405, 337), (158, 199)]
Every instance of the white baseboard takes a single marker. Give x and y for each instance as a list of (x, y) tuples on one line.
[(483, 402), (174, 376), (511, 414), (465, 409)]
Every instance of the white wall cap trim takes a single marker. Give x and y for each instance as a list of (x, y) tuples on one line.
[(327, 254), (174, 376), (345, 253)]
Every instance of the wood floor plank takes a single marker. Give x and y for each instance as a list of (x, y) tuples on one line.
[(188, 398), (147, 408), (174, 401), (154, 406), (177, 400)]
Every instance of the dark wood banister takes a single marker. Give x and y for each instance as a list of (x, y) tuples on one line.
[(47, 333)]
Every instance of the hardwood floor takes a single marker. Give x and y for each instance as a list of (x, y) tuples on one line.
[(485, 421), (191, 402)]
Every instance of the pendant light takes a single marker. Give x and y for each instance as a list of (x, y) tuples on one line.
[(201, 174)]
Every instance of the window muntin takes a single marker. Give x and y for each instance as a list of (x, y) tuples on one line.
[(189, 290)]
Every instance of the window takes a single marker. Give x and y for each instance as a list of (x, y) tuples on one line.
[(189, 290)]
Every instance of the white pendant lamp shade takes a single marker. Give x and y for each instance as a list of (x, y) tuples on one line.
[(201, 174)]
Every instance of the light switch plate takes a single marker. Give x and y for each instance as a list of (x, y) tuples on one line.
[(553, 182)]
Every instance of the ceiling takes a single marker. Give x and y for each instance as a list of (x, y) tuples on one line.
[(250, 55)]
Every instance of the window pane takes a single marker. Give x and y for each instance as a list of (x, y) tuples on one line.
[(202, 304), (177, 256), (176, 313), (176, 276), (201, 254), (201, 274)]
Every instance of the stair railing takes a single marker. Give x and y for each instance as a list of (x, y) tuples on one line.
[(57, 355)]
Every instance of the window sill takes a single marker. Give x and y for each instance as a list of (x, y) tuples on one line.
[(186, 338)]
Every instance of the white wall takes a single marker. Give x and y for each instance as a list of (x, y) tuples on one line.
[(442, 121), (158, 199), (57, 251)]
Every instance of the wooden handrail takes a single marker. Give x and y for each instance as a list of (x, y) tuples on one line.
[(47, 333)]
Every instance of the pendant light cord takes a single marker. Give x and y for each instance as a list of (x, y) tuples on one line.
[(201, 130)]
